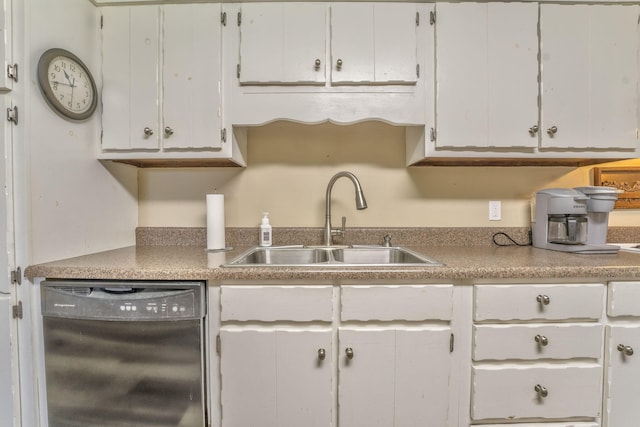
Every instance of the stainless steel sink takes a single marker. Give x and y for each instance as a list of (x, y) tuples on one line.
[(281, 256), (362, 256)]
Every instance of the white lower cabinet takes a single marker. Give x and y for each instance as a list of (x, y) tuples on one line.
[(393, 377), (622, 378), (288, 359), (537, 353), (276, 377)]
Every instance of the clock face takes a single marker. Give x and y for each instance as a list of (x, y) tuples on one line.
[(67, 84)]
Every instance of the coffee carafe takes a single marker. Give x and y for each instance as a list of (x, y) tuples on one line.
[(560, 222)]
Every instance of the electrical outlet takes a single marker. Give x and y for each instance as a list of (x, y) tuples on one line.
[(495, 210)]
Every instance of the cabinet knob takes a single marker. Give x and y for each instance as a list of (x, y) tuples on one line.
[(339, 64), (148, 131), (543, 299), (625, 349), (542, 340), (552, 131), (317, 64), (321, 354), (542, 391), (349, 352), (168, 130), (533, 130)]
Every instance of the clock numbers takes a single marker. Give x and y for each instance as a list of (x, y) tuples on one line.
[(70, 84)]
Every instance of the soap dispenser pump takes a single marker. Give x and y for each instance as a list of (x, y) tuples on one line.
[(266, 233)]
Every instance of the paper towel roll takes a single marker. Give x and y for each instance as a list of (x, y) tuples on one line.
[(215, 221)]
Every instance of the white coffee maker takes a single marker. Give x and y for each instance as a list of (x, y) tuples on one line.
[(562, 219)]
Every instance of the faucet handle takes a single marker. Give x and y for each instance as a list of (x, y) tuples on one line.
[(340, 231), (387, 240)]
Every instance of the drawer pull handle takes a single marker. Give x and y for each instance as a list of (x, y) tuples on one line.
[(542, 340), (542, 391), (148, 131), (543, 299), (322, 354), (625, 349), (349, 352)]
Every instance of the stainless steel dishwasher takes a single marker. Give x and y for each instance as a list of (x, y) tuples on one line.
[(124, 354)]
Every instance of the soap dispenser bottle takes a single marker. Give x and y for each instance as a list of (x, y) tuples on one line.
[(265, 230)]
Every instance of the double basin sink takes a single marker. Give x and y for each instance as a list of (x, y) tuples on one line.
[(353, 256)]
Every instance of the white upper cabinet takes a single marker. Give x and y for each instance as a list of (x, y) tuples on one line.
[(130, 69), (191, 77), (589, 63), (6, 83), (161, 83), (374, 43), (283, 43), (370, 43), (487, 69)]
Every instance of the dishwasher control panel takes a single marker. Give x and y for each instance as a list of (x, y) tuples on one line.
[(122, 303)]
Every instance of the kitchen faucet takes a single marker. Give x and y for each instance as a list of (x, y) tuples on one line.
[(361, 203)]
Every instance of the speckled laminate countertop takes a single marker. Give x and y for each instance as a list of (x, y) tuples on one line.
[(462, 264)]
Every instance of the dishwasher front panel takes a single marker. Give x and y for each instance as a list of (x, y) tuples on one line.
[(117, 374), (122, 355)]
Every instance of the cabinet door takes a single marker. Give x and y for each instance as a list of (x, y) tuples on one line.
[(395, 377), (5, 43), (374, 43), (487, 69), (130, 68), (8, 385), (283, 43), (191, 76), (623, 387), (276, 378), (589, 59)]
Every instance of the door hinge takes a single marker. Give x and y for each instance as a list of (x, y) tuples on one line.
[(238, 70), (417, 19), (12, 115), (16, 276), (12, 72), (223, 18), (239, 18), (223, 135), (418, 70), (101, 21), (433, 135), (451, 340), (218, 344), (432, 17), (17, 310)]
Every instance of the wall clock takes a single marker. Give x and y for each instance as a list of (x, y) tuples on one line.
[(67, 84)]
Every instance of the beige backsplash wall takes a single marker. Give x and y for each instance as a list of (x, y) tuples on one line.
[(289, 166)]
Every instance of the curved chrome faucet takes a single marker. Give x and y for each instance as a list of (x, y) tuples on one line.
[(361, 203)]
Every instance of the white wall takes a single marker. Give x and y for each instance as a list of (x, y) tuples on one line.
[(289, 166), (77, 205)]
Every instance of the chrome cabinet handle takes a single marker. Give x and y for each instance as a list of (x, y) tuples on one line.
[(349, 352), (322, 354), (148, 131), (317, 64), (552, 131), (543, 299), (625, 349), (542, 391), (168, 130), (542, 340), (339, 64), (533, 130)]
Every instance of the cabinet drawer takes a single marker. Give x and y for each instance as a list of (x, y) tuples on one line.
[(624, 299), (537, 341), (273, 303), (508, 391), (538, 302), (401, 302)]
